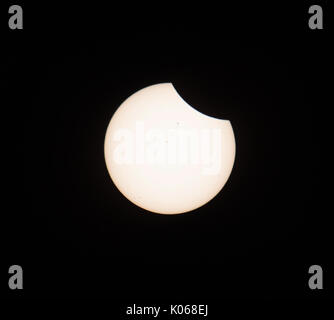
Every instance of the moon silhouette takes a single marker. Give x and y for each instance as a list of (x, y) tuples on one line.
[(165, 156)]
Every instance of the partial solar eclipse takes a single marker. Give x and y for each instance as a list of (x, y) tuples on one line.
[(165, 156)]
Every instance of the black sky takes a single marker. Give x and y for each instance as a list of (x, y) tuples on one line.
[(75, 235)]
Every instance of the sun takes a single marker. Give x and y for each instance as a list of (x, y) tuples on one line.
[(165, 156)]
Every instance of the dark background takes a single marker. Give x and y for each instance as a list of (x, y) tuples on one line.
[(72, 231)]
